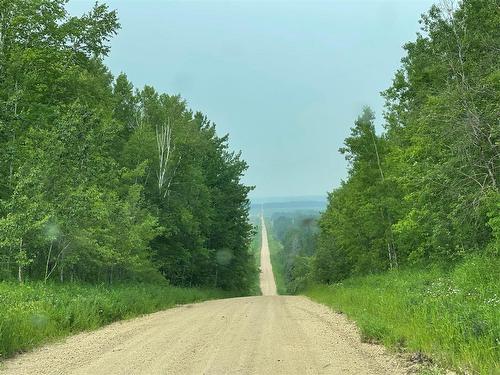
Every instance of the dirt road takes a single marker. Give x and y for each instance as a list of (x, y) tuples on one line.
[(255, 335), (267, 283)]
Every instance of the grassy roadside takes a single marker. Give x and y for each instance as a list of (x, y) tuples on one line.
[(277, 260), (255, 250), (451, 317), (32, 314)]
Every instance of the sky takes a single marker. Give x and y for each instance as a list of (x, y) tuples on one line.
[(285, 79)]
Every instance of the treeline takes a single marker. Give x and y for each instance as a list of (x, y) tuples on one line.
[(100, 181), (426, 190), (296, 232)]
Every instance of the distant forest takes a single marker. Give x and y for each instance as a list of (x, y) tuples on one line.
[(272, 208), (297, 233), (102, 182)]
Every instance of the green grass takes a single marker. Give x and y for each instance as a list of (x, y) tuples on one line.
[(255, 250), (277, 260), (33, 313), (452, 317)]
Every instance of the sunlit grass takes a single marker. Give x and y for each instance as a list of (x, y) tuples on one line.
[(454, 317), (34, 313)]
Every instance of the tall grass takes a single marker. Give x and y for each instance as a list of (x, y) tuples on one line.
[(34, 313), (255, 250), (453, 317)]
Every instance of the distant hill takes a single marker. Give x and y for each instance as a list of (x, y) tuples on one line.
[(287, 204)]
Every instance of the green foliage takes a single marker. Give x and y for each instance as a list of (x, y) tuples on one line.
[(356, 234), (426, 190), (452, 317), (277, 260), (255, 247), (295, 236), (442, 121), (100, 182), (34, 313)]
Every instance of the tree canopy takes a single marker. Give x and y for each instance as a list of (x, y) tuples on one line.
[(100, 181), (426, 190)]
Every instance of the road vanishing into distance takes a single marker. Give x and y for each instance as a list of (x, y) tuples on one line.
[(267, 282), (267, 334)]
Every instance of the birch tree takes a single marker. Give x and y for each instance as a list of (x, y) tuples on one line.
[(165, 150)]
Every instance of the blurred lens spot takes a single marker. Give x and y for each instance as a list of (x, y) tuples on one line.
[(224, 257), (39, 320)]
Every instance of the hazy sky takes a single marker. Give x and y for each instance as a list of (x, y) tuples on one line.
[(286, 79)]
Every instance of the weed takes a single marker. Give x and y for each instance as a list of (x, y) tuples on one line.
[(452, 317), (34, 313)]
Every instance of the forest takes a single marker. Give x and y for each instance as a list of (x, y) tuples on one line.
[(117, 201), (425, 191), (293, 241), (101, 182)]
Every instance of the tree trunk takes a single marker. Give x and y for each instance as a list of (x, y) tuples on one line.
[(7, 266), (20, 265), (47, 263), (390, 242), (61, 272)]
